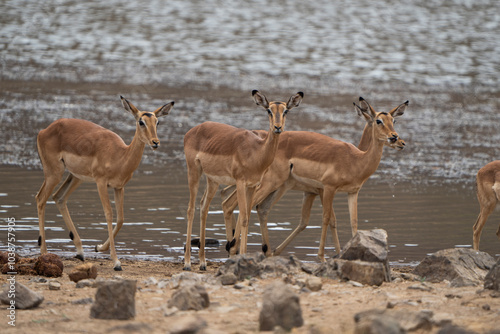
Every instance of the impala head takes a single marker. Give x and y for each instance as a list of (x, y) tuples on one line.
[(383, 122), (147, 122), (277, 110)]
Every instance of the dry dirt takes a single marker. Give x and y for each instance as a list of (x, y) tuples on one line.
[(331, 310)]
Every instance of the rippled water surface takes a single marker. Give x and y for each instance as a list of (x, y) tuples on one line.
[(65, 58)]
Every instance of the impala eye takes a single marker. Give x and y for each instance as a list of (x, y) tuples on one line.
[(379, 121), (141, 123), (157, 123), (284, 112)]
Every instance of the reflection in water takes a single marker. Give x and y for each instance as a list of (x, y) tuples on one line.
[(419, 219)]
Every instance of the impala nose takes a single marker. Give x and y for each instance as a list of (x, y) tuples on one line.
[(278, 129), (155, 145)]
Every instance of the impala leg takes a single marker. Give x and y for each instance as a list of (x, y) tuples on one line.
[(194, 175), (352, 201), (120, 218), (102, 188), (328, 220), (41, 201), (61, 197), (487, 197), (209, 194), (263, 209), (228, 206), (307, 203), (250, 191)]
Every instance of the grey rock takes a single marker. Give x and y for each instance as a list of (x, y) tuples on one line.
[(281, 307), (24, 297), (83, 301), (460, 266), (190, 297), (452, 329), (229, 279), (492, 278), (114, 300), (314, 283), (369, 246), (185, 278), (243, 266), (54, 285), (85, 283), (138, 327), (406, 320), (378, 325), (281, 265), (369, 273), (188, 325)]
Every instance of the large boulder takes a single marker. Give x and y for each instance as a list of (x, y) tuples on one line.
[(114, 300), (369, 246), (492, 278), (459, 266), (280, 307), (369, 273)]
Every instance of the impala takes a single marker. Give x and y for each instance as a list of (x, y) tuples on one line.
[(320, 165), (232, 156), (92, 153), (488, 195)]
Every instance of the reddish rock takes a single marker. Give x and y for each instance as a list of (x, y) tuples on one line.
[(83, 271)]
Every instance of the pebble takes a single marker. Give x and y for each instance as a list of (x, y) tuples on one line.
[(54, 286)]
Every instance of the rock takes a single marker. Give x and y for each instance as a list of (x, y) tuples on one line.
[(23, 266), (138, 327), (185, 277), (460, 266), (114, 300), (378, 325), (85, 283), (83, 271), (188, 325), (369, 273), (314, 283), (49, 265), (25, 298), (369, 246), (190, 297), (83, 301), (54, 286), (280, 307), (492, 278), (243, 266), (451, 329), (405, 320), (277, 265), (228, 279)]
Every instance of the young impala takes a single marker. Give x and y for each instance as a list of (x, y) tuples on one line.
[(230, 155), (92, 153), (319, 165)]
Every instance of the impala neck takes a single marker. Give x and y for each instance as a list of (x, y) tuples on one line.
[(372, 156), (270, 147), (133, 153), (366, 138)]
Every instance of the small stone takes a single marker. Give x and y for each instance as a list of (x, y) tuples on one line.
[(228, 279), (54, 286), (85, 283), (83, 301), (83, 271), (190, 297), (314, 283), (188, 325)]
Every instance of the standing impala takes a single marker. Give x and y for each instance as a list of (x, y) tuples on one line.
[(92, 153), (320, 165), (230, 155), (488, 195)]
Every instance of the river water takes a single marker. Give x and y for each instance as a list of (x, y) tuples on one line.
[(72, 59)]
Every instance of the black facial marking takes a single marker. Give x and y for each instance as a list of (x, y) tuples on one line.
[(148, 114)]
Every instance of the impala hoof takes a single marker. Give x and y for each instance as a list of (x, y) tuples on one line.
[(79, 257), (203, 268), (187, 268), (118, 267)]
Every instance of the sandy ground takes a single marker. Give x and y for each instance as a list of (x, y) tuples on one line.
[(330, 310)]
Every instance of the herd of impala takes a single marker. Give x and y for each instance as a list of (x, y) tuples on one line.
[(259, 167)]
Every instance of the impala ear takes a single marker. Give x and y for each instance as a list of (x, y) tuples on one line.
[(364, 109), (129, 106), (164, 110), (399, 110), (294, 100), (260, 99)]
